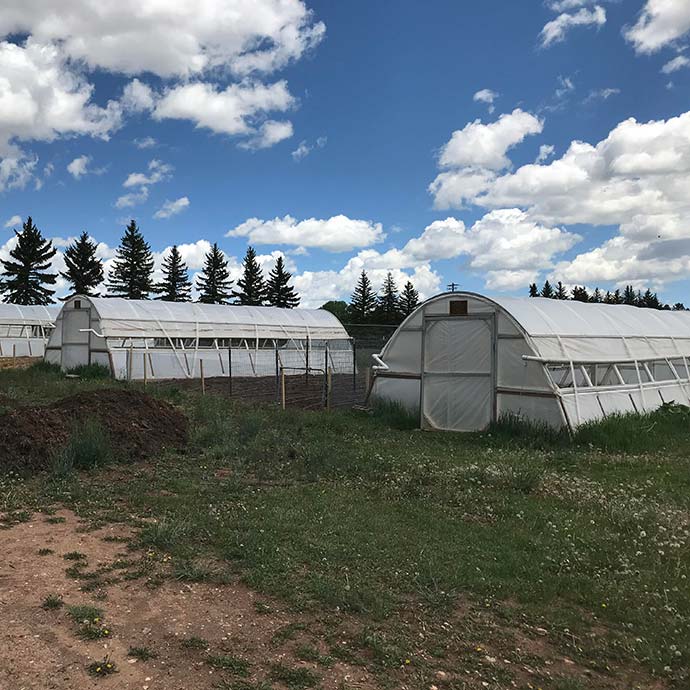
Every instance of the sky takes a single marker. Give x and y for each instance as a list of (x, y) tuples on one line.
[(489, 144)]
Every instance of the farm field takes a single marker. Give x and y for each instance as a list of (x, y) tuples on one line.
[(217, 544)]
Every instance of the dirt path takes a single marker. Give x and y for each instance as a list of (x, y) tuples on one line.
[(40, 648)]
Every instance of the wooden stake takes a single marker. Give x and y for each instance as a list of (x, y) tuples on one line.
[(282, 387), (329, 384), (145, 369), (203, 382)]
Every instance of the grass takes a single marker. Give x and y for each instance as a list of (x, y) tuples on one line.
[(105, 667), (360, 516), (83, 612), (88, 447), (45, 552), (195, 642), (91, 371), (141, 653), (74, 556), (52, 602), (294, 678), (227, 662)]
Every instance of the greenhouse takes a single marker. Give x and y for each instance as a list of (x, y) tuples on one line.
[(24, 330), (142, 339), (462, 361)]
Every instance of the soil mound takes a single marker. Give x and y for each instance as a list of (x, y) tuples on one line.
[(139, 426)]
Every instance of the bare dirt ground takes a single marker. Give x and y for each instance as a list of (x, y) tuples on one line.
[(41, 649), (18, 362)]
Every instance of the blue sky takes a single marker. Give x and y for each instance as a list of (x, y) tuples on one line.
[(489, 144)]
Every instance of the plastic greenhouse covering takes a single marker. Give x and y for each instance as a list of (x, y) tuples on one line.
[(24, 330)]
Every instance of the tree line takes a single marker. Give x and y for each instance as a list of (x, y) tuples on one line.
[(26, 277), (387, 307), (628, 295)]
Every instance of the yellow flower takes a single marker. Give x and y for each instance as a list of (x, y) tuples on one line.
[(109, 665), (105, 632), (407, 661), (98, 669), (603, 606)]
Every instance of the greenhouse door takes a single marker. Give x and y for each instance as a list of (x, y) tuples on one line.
[(458, 386), (75, 337)]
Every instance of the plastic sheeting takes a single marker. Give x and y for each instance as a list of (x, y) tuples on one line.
[(122, 318), (24, 330)]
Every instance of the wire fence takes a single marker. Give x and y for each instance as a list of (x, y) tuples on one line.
[(330, 376)]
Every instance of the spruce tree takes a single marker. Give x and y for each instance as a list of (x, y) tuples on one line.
[(580, 294), (132, 274), (214, 284), (533, 290), (25, 273), (409, 299), (175, 286), (363, 300), (279, 292), (388, 302), (561, 292), (252, 287), (629, 296), (84, 269), (547, 290), (596, 297), (617, 298)]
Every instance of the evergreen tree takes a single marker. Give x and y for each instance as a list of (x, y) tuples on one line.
[(617, 298), (84, 269), (132, 273), (338, 308), (279, 292), (25, 273), (596, 296), (580, 294), (409, 299), (650, 300), (388, 302), (547, 290), (363, 300), (252, 285), (608, 298), (678, 306), (214, 284), (175, 286), (561, 292), (629, 296), (533, 290)]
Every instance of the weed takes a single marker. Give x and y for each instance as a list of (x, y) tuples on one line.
[(294, 678), (306, 652), (52, 602), (102, 668), (238, 667), (164, 534), (191, 571), (45, 552), (89, 446), (287, 632), (195, 642), (56, 520), (84, 612), (91, 371), (74, 556), (141, 653)]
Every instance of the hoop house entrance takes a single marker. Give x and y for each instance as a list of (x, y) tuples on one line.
[(457, 378)]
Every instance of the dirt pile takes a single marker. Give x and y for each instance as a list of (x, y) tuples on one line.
[(139, 426)]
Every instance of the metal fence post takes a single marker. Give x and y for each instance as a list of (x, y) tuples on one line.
[(277, 375), (230, 366), (353, 345), (325, 375), (306, 362)]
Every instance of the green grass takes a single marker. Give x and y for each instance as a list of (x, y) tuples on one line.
[(52, 602), (226, 662), (74, 556), (359, 515), (84, 612), (195, 642), (294, 678), (141, 653), (104, 667), (88, 447), (91, 371)]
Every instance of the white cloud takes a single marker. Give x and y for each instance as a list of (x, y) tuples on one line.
[(601, 94), (158, 172), (270, 133), (486, 96), (661, 22), (485, 146), (170, 39), (679, 62), (137, 97), (145, 143), (13, 221), (172, 208), (43, 98), (79, 167), (545, 152), (555, 31), (304, 149), (636, 178), (335, 234), (132, 199)]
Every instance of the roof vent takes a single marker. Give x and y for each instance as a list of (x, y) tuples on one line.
[(458, 307)]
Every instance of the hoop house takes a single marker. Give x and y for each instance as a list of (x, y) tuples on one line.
[(24, 330), (463, 360), (139, 339)]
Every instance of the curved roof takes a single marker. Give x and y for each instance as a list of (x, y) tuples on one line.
[(153, 318), (28, 315), (566, 330)]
